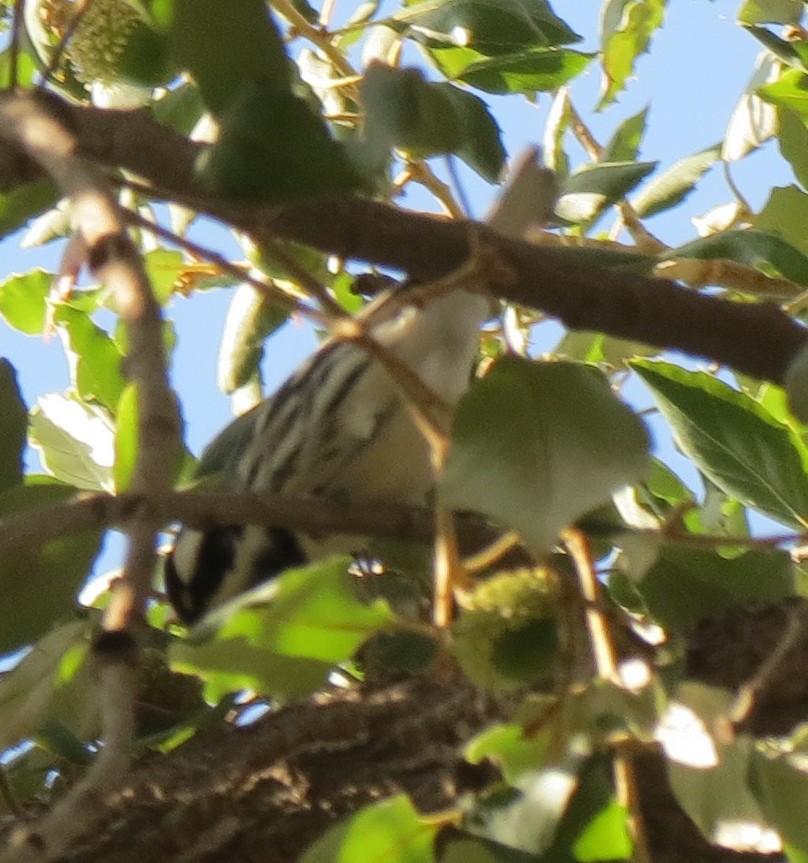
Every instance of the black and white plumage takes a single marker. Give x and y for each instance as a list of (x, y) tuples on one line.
[(337, 428)]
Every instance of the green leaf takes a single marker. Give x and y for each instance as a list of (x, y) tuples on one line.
[(792, 53), (598, 348), (20, 204), (282, 638), (27, 693), (13, 427), (589, 190), (25, 68), (511, 748), (784, 213), (754, 248), (674, 184), (273, 149), (95, 360), (403, 110), (179, 108), (527, 72), (126, 438), (533, 458), (250, 319), (790, 90), (792, 138), (559, 117), (147, 59), (624, 145), (75, 441), (228, 53), (595, 826), (165, 269), (23, 300), (709, 773), (39, 583), (769, 12), (480, 137), (389, 830), (233, 664), (685, 585), (493, 29), (781, 786), (626, 30), (312, 612), (733, 440)]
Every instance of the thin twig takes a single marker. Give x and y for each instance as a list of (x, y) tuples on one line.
[(275, 251), (604, 655), (599, 636), (318, 37), (268, 290), (644, 239)]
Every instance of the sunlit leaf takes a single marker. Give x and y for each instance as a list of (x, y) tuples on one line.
[(733, 440), (753, 121), (165, 268), (23, 300), (282, 638), (511, 747), (388, 830), (95, 359), (769, 12), (624, 145), (75, 441), (674, 184), (626, 30)]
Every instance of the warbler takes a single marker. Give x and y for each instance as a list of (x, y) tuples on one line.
[(339, 428)]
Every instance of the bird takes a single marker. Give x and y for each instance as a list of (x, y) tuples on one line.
[(339, 428)]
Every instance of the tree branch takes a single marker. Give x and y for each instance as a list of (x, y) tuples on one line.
[(756, 339), (34, 124)]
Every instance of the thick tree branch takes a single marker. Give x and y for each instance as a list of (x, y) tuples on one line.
[(757, 339)]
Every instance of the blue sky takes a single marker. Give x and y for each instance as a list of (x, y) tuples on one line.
[(699, 64)]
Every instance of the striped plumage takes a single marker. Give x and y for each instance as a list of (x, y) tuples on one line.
[(337, 428)]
